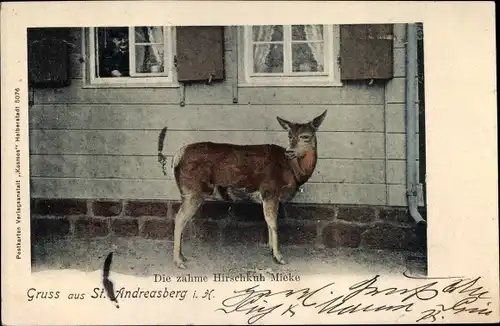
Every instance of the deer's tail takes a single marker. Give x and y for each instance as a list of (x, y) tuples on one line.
[(162, 159)]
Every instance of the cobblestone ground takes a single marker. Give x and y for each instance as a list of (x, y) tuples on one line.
[(144, 257)]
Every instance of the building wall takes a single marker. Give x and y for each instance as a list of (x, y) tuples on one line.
[(95, 143)]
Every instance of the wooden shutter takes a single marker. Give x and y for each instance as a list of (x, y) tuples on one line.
[(200, 53), (48, 57), (366, 51)]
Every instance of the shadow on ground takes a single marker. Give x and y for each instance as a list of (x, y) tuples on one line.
[(144, 257)]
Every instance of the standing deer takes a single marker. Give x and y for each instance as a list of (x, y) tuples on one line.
[(269, 173)]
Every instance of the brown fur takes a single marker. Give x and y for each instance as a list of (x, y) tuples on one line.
[(271, 171)]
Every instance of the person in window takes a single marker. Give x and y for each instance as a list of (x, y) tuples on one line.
[(115, 57)]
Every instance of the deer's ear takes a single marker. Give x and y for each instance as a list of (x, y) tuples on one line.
[(316, 122), (287, 125)]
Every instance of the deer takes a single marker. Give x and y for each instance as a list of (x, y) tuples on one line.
[(269, 173)]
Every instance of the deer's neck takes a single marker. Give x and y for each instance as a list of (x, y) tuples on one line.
[(304, 167)]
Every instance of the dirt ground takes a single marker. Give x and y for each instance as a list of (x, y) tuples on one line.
[(143, 257)]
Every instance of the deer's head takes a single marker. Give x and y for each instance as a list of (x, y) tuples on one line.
[(301, 136)]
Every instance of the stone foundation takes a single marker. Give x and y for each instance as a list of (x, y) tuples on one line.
[(373, 227)]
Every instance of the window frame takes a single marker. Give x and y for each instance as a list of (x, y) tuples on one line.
[(135, 79), (330, 76)]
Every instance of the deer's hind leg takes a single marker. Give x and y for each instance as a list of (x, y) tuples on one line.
[(191, 201), (270, 239)]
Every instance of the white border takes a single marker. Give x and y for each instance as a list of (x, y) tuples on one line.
[(461, 132)]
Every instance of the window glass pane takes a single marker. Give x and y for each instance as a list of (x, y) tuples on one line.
[(149, 58), (268, 58), (307, 32), (112, 52), (308, 57), (267, 33), (150, 34)]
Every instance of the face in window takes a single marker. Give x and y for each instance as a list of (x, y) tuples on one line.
[(120, 43), (114, 56)]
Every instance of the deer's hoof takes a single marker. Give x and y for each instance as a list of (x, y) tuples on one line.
[(180, 264), (280, 260)]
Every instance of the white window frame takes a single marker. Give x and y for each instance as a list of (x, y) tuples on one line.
[(161, 79), (329, 77)]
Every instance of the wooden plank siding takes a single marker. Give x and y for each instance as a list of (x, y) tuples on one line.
[(355, 145), (217, 93), (360, 117), (147, 168), (102, 143)]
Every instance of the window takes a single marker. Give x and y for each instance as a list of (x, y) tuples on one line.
[(290, 55), (131, 55)]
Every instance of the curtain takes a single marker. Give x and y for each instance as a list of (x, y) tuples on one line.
[(314, 32), (155, 35), (149, 55), (140, 58), (261, 51)]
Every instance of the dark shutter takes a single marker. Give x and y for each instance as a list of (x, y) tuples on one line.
[(200, 53), (48, 57), (366, 51)]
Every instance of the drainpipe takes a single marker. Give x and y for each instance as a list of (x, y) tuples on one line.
[(411, 123)]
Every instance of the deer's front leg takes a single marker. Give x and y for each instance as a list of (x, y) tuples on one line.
[(271, 214)]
